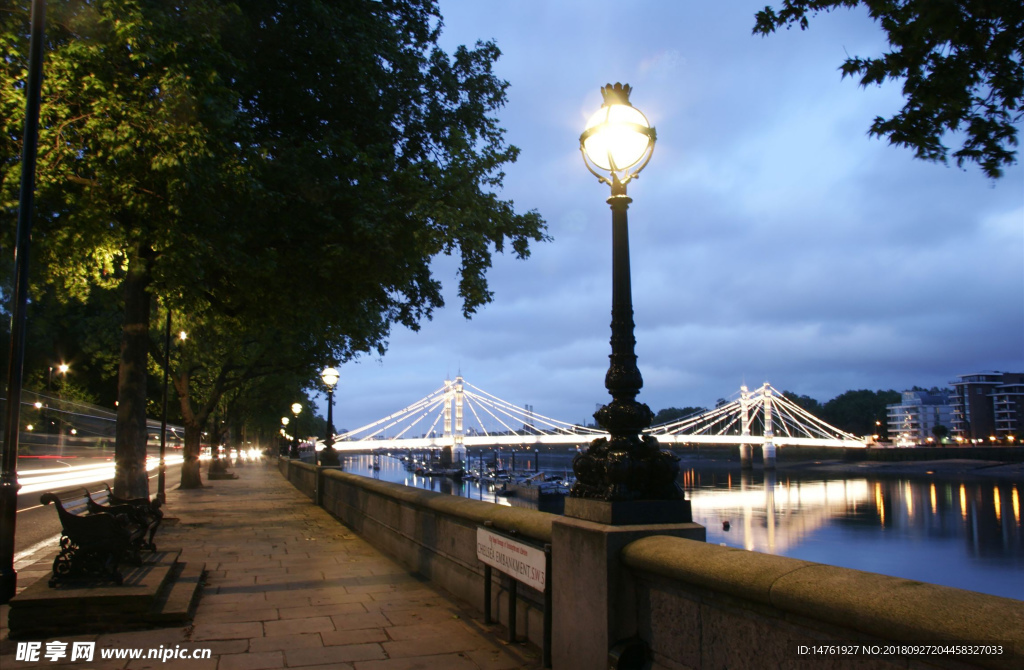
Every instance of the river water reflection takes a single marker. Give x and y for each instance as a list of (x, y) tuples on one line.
[(966, 534)]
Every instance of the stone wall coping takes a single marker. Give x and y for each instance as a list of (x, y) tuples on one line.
[(531, 524), (889, 608)]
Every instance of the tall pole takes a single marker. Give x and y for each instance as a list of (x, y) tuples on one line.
[(16, 360), (329, 440), (329, 456), (162, 478), (623, 379), (627, 465)]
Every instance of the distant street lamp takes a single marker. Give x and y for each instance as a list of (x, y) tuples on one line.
[(284, 435), (296, 409), (329, 455), (63, 370), (616, 145)]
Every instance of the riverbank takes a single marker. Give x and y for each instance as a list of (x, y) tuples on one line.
[(986, 463), (958, 468)]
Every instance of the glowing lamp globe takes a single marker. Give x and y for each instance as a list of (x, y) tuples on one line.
[(330, 377), (617, 139)]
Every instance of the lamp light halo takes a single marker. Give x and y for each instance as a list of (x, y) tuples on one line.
[(617, 139), (296, 408), (329, 376)]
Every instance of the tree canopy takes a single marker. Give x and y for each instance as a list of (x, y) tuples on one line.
[(269, 166), (962, 67), (672, 413)]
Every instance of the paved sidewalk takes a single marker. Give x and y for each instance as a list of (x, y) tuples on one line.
[(289, 586)]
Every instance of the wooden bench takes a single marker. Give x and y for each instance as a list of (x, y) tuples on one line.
[(140, 511), (92, 545)]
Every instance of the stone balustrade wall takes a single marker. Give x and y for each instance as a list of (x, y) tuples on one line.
[(701, 605), (693, 605)]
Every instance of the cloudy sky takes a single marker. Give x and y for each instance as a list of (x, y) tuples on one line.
[(771, 238)]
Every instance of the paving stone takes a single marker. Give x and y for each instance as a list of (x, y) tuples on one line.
[(355, 636), (283, 642), (512, 657), (430, 630), (355, 621), (167, 637), (153, 664), (236, 616), (252, 661), (410, 617), (321, 610), (227, 631), (443, 662), (434, 645), (221, 647), (398, 601), (295, 626), (335, 654), (329, 597)]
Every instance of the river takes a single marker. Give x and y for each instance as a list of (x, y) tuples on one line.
[(964, 533)]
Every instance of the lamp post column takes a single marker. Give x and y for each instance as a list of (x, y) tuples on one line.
[(623, 379), (16, 359), (161, 481), (329, 456)]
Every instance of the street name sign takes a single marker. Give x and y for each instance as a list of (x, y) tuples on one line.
[(524, 562)]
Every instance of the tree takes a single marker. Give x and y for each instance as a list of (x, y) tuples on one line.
[(804, 402), (673, 413), (223, 368), (861, 412), (962, 67), (131, 115), (288, 166)]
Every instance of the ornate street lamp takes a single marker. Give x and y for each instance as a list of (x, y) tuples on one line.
[(329, 455), (296, 410), (284, 435), (627, 467)]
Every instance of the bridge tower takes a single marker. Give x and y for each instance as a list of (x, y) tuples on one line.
[(768, 450), (746, 450), (454, 403), (458, 448)]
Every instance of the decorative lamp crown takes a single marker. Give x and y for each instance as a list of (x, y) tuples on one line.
[(617, 94)]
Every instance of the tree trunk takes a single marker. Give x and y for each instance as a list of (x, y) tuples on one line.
[(130, 479), (190, 477)]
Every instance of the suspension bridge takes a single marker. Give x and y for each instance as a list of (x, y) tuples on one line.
[(460, 415)]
